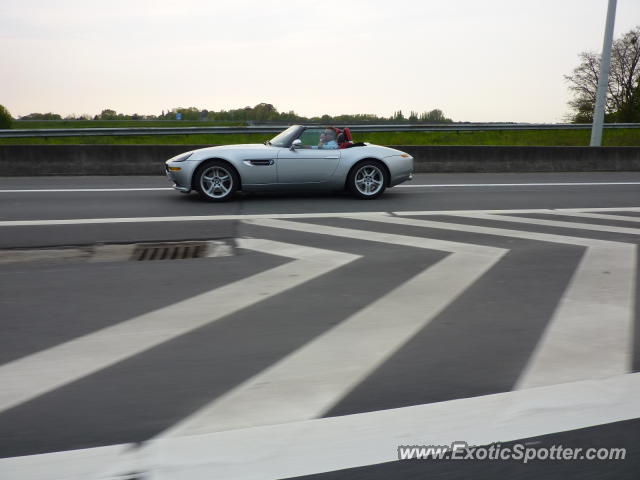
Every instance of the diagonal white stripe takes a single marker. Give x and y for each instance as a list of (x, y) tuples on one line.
[(599, 216), (589, 333), (329, 444), (556, 223), (311, 380), (41, 372), (606, 209), (316, 446)]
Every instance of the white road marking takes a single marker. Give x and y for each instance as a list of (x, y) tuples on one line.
[(533, 184), (82, 464), (41, 372), (194, 218), (311, 380), (87, 190), (589, 334), (599, 216), (208, 218), (219, 249), (556, 223), (291, 449), (329, 444), (607, 209), (408, 185), (516, 210)]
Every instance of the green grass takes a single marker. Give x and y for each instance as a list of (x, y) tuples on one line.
[(617, 137), (31, 124), (203, 139)]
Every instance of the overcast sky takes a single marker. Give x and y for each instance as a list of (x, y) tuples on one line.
[(477, 60)]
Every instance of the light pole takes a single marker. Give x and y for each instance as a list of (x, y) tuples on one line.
[(603, 79)]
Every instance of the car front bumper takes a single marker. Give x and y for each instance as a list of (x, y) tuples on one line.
[(180, 173)]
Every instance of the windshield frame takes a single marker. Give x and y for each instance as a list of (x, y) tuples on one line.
[(286, 137)]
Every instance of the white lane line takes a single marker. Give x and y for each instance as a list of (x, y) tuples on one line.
[(411, 185), (311, 380), (329, 444), (31, 376), (208, 218), (590, 331), (555, 223), (533, 184), (72, 190), (189, 218)]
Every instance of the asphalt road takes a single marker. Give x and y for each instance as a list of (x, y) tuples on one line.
[(314, 312), (476, 192)]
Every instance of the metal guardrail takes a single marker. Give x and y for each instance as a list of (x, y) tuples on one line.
[(441, 127)]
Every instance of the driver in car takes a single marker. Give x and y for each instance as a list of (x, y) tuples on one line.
[(328, 139)]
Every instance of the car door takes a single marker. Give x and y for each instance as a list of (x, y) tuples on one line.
[(307, 163), (257, 165)]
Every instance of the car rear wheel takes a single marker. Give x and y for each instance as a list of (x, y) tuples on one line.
[(367, 180), (216, 181)]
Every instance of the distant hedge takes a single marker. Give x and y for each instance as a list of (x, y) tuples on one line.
[(5, 118)]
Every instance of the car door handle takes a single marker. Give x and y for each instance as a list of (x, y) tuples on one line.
[(261, 162)]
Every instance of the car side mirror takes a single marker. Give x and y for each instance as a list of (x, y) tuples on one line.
[(297, 143)]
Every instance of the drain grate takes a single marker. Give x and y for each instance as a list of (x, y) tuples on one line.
[(169, 251), (122, 252)]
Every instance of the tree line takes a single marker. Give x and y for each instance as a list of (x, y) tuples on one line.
[(261, 113)]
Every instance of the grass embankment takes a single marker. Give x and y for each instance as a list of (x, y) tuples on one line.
[(617, 137), (204, 139), (33, 124)]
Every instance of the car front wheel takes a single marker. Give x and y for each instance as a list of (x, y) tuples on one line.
[(367, 180), (216, 181)]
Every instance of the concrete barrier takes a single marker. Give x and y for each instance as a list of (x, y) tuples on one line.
[(523, 159), (37, 160)]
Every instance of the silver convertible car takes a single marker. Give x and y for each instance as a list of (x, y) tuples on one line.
[(298, 158)]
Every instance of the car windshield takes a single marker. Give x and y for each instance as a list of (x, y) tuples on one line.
[(285, 138)]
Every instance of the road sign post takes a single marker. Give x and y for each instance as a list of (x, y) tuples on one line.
[(603, 78)]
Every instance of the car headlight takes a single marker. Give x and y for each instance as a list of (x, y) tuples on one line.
[(180, 158)]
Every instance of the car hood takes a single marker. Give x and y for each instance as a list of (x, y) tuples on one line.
[(246, 146)]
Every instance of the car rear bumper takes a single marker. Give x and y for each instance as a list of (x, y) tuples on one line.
[(400, 169)]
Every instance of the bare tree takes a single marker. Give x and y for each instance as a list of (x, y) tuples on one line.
[(623, 96)]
